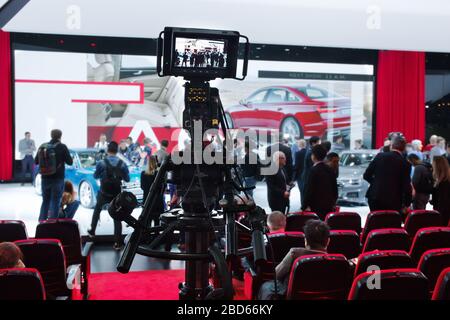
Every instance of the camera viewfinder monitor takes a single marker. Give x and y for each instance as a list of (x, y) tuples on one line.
[(199, 53)]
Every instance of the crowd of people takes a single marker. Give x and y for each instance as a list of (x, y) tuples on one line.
[(200, 58)]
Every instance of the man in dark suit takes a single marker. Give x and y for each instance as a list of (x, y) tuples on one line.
[(314, 140), (389, 178), (277, 185), (321, 190), (282, 146), (299, 160)]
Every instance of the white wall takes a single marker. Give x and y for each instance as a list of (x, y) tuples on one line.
[(375, 24)]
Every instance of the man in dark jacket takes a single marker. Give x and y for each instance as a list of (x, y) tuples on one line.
[(389, 178), (299, 160), (314, 140), (53, 184), (111, 171), (278, 185), (282, 146), (422, 181), (321, 190)]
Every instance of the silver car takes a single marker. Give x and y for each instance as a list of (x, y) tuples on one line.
[(351, 185)]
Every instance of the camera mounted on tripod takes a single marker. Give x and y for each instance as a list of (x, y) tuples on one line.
[(199, 56)]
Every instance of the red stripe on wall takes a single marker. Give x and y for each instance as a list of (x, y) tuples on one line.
[(6, 125)]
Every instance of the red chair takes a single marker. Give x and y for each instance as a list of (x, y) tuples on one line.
[(344, 242), (281, 243), (395, 284), (344, 221), (47, 256), (388, 259), (67, 231), (12, 230), (381, 220), (387, 239), (21, 284), (296, 221), (442, 289), (418, 219), (427, 239), (319, 277), (432, 263)]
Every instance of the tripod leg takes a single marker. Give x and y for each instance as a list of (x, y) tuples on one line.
[(226, 291)]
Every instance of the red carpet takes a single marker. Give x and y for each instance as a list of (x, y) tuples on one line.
[(141, 285)]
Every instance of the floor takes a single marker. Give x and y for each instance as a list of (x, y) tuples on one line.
[(22, 203)]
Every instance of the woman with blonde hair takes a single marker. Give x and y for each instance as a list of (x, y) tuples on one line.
[(441, 190), (147, 178)]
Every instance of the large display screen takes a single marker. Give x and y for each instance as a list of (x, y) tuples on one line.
[(86, 95)]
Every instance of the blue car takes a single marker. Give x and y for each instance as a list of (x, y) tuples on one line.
[(81, 174)]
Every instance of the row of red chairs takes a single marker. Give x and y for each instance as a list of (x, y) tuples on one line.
[(49, 256), (416, 219), (347, 243)]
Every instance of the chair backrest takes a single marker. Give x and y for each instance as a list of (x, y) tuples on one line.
[(432, 263), (381, 220), (344, 221), (427, 239), (394, 284), (66, 231), (296, 221), (418, 219), (12, 230), (387, 239), (47, 256), (344, 242), (21, 284), (321, 276), (282, 242), (387, 259), (442, 289)]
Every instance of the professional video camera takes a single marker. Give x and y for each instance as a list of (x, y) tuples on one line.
[(199, 56)]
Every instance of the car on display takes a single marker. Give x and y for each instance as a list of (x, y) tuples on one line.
[(81, 174), (303, 111), (352, 187)]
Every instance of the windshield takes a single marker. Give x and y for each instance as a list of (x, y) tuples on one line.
[(88, 159), (315, 93), (356, 159)]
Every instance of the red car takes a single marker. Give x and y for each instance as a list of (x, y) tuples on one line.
[(303, 111)]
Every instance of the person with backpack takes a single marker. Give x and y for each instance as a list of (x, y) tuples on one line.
[(111, 171), (422, 181), (50, 158)]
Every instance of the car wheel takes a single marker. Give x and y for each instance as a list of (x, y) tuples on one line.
[(38, 184), (229, 120), (86, 195), (291, 128)]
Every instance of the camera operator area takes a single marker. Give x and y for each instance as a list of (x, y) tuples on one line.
[(207, 154)]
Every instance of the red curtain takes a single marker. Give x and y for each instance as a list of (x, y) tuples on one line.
[(400, 95), (6, 125)]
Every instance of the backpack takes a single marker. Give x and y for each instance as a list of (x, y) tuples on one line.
[(111, 183), (427, 182), (47, 159)]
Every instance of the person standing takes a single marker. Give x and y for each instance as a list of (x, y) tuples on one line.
[(27, 149), (51, 158), (338, 145), (422, 181), (250, 168), (147, 178), (299, 164), (313, 141), (111, 171), (283, 147), (101, 144), (162, 153), (441, 191), (438, 149), (277, 185), (359, 145), (432, 143), (389, 177), (417, 148), (321, 191)]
